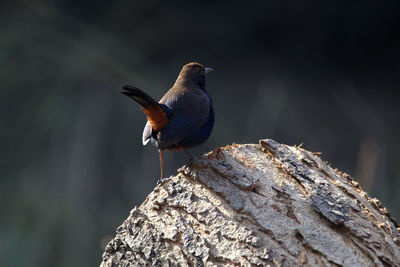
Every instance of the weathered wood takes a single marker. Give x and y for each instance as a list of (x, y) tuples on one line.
[(265, 204)]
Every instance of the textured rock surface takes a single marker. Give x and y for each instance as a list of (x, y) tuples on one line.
[(244, 205)]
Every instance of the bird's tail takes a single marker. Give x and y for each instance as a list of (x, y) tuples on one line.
[(156, 116)]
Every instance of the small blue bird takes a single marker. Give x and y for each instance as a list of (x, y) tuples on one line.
[(183, 118)]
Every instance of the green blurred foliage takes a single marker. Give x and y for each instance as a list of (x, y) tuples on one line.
[(320, 73)]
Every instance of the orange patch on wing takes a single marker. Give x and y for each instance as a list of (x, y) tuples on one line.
[(156, 116)]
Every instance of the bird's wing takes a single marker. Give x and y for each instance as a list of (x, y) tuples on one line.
[(192, 103), (191, 111), (178, 127)]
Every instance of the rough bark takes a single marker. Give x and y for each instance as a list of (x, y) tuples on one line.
[(265, 204)]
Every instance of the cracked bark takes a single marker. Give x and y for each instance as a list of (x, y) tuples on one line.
[(264, 204)]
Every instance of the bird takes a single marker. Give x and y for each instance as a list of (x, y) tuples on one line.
[(184, 116)]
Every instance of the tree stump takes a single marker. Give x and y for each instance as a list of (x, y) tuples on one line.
[(257, 204)]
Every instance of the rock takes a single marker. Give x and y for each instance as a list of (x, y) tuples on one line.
[(257, 204)]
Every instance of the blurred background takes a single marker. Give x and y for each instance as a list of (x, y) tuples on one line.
[(322, 73)]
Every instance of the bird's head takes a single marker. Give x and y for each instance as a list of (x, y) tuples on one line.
[(194, 72)]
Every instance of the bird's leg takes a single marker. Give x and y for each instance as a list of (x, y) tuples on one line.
[(192, 158), (160, 151), (189, 154)]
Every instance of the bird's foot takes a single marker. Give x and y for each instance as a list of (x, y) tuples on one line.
[(160, 181)]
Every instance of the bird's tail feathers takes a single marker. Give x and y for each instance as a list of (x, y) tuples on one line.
[(156, 116)]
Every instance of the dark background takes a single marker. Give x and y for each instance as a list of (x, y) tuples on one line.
[(322, 73)]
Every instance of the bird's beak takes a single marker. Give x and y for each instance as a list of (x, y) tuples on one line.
[(207, 70)]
